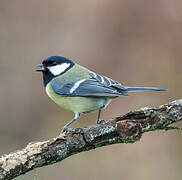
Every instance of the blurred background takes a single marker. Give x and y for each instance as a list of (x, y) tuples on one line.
[(134, 42)]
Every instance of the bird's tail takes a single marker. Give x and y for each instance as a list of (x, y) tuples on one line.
[(140, 88)]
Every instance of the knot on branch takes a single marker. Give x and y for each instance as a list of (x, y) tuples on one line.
[(129, 129)]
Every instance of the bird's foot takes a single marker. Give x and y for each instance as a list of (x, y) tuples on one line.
[(100, 121), (66, 129)]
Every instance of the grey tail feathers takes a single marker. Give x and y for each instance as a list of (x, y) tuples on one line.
[(140, 88)]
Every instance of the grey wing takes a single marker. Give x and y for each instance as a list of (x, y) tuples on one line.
[(86, 88), (108, 82)]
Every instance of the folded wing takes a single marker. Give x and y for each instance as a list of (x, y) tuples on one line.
[(86, 88)]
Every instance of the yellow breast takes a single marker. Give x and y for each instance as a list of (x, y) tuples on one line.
[(77, 104)]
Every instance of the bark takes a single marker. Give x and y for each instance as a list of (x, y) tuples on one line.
[(126, 128)]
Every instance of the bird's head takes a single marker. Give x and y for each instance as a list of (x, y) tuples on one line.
[(55, 65)]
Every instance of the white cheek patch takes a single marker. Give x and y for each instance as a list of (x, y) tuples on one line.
[(58, 69)]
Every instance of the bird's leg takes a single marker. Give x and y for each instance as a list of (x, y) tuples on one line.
[(66, 127), (99, 121)]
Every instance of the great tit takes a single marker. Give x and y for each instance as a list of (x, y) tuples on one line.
[(77, 89)]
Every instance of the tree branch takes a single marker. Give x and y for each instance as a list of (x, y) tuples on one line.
[(126, 128)]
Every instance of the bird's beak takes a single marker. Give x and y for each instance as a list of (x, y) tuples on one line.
[(40, 67)]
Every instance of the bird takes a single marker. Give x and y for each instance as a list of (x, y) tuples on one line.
[(80, 90)]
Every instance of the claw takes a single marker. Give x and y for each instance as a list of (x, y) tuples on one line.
[(100, 121), (66, 129)]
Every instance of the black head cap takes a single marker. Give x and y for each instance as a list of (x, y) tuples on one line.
[(55, 60)]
